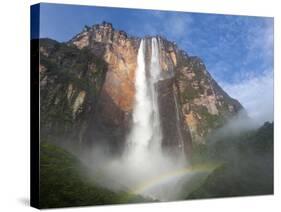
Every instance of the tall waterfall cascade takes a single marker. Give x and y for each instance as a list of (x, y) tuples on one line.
[(146, 128), (155, 73), (145, 159)]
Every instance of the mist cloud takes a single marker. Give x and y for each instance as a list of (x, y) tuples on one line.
[(256, 94)]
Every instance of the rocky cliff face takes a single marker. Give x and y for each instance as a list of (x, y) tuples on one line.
[(70, 86), (191, 103), (120, 53), (203, 102), (115, 104)]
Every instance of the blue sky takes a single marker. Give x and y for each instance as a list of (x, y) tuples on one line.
[(237, 50)]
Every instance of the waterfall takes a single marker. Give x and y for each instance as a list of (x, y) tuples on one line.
[(155, 72), (141, 132), (146, 129)]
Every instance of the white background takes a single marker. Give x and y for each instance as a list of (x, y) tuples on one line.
[(14, 103)]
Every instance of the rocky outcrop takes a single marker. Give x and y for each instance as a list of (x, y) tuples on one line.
[(204, 104), (176, 135), (70, 86), (116, 100), (120, 53), (90, 82)]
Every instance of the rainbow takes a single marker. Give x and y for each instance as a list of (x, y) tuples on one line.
[(171, 176)]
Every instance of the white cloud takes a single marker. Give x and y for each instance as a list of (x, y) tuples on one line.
[(173, 25), (177, 25), (255, 94), (252, 83)]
